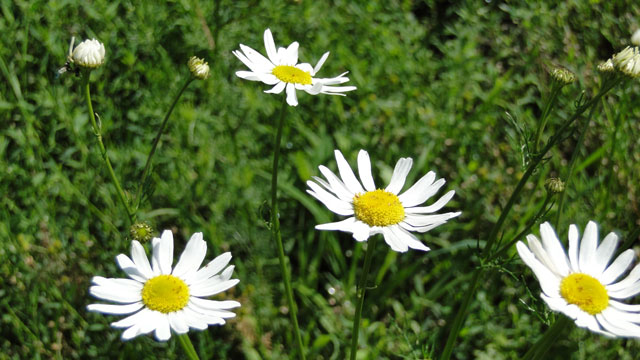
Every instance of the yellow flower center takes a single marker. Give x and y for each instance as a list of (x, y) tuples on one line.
[(378, 208), (291, 74), (586, 292), (165, 293)]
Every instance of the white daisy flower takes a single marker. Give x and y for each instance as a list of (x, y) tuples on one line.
[(89, 53), (628, 61), (583, 286), (375, 211), (164, 299), (282, 70)]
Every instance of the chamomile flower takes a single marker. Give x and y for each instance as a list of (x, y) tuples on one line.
[(162, 299), (380, 211), (584, 285), (282, 70), (88, 54)]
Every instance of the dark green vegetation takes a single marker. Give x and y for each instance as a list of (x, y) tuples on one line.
[(436, 82)]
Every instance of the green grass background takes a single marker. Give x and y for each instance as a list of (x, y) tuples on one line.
[(437, 81)]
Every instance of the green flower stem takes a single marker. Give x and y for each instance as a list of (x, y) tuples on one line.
[(147, 165), (555, 91), (540, 348), (188, 347), (275, 231), (362, 287), (487, 251), (86, 74), (572, 164)]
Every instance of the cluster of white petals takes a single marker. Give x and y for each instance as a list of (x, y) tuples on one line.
[(89, 54)]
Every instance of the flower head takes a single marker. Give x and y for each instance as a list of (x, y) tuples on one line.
[(141, 231), (583, 285), (282, 70), (628, 61), (554, 185), (562, 75), (606, 67), (377, 211), (163, 298), (199, 68), (88, 54)]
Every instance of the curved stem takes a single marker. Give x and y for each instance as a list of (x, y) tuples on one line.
[(188, 347), (275, 231), (545, 113), (156, 140), (493, 236), (362, 287), (540, 348), (103, 151)]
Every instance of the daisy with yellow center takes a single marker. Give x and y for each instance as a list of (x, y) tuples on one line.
[(282, 70), (376, 211), (164, 299), (583, 285)]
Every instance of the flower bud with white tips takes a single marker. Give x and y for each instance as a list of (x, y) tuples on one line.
[(199, 68), (88, 54)]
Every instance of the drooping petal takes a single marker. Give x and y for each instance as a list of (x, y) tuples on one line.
[(270, 47), (400, 172), (618, 267), (420, 191), (320, 63), (115, 309), (433, 207), (192, 256), (292, 99)]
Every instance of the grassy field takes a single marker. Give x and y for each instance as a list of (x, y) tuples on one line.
[(449, 85)]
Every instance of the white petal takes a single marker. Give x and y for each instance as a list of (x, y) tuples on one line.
[(162, 253), (292, 54), (337, 186), (193, 319), (260, 63), (400, 172), (433, 207), (574, 247), (624, 307), (364, 170), (215, 305), (115, 309), (331, 202), (588, 248), (212, 268), (621, 320), (320, 63), (344, 225), (554, 248), (425, 220), (270, 47), (393, 241), (408, 238), (541, 254), (549, 282), (292, 99), (560, 305), (361, 231), (618, 267), (278, 88), (211, 320), (249, 75), (623, 293), (139, 318), (163, 330), (139, 257), (347, 175), (192, 257), (420, 191), (177, 322), (604, 252), (130, 268), (212, 287)]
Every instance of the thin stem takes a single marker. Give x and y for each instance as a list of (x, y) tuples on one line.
[(493, 236), (147, 165), (362, 287), (540, 348), (545, 113), (188, 347), (103, 151), (572, 164), (275, 230)]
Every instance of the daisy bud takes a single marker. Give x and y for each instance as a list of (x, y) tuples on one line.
[(199, 68), (563, 75), (627, 61), (635, 38), (606, 67), (141, 231), (554, 185), (88, 54)]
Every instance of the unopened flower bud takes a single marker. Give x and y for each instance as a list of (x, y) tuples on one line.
[(88, 54), (635, 38), (563, 75), (554, 185), (141, 231), (199, 68), (606, 67), (627, 61)]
